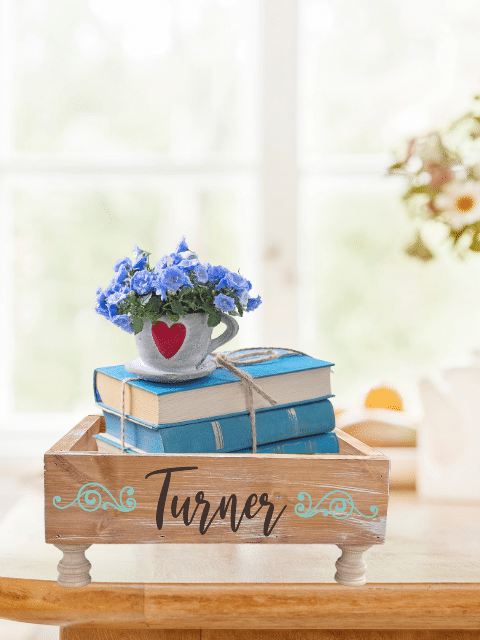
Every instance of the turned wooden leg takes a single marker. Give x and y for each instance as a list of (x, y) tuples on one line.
[(350, 566), (73, 568)]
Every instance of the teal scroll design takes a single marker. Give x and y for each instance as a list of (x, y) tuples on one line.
[(93, 499), (340, 503)]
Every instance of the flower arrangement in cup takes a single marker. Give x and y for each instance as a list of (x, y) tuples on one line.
[(178, 284), (442, 169)]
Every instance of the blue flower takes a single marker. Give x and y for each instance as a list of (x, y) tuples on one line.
[(173, 278), (113, 301), (224, 303), (201, 273), (139, 258), (168, 260), (216, 273), (189, 260), (102, 310), (115, 287), (120, 274), (134, 277), (100, 306), (123, 322), (160, 288), (233, 281), (142, 282), (123, 262), (181, 246), (254, 303)]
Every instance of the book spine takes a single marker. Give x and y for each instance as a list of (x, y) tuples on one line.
[(228, 433), (322, 443), (136, 434)]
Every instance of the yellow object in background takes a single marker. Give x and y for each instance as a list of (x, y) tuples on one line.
[(384, 398), (382, 423)]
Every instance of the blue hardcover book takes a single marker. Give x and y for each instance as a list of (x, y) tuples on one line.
[(289, 379), (226, 433), (322, 443)]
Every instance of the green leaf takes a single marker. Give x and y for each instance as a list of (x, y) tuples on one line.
[(153, 305), (177, 307), (418, 249), (413, 191), (456, 235), (471, 173), (214, 319), (172, 316), (204, 295), (144, 299), (137, 324), (475, 244), (395, 167)]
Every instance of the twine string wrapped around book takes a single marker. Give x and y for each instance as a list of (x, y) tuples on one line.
[(122, 417), (249, 385), (231, 361)]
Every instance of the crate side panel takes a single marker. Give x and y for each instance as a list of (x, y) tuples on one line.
[(81, 437), (287, 499), (350, 445)]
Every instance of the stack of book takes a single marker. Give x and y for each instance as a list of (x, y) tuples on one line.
[(209, 415)]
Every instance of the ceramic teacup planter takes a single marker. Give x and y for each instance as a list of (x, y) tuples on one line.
[(173, 351), (172, 309)]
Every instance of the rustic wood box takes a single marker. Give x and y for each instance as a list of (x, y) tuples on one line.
[(93, 497)]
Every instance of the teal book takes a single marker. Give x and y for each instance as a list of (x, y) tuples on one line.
[(223, 434), (322, 443), (288, 380)]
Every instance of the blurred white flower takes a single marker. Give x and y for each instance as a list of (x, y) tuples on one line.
[(459, 204)]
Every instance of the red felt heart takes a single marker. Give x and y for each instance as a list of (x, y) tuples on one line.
[(168, 339)]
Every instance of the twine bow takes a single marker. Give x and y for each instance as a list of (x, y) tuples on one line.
[(241, 357)]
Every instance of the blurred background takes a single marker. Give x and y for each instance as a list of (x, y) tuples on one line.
[(260, 129)]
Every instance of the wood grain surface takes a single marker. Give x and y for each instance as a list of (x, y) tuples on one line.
[(298, 606), (336, 634), (256, 498), (44, 602), (243, 606), (76, 633), (86, 633)]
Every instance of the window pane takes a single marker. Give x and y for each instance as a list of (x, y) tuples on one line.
[(372, 73), (59, 340), (107, 76), (379, 314)]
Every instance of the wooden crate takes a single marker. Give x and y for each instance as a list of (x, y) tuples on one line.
[(93, 497)]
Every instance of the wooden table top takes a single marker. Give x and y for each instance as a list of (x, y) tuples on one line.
[(426, 575)]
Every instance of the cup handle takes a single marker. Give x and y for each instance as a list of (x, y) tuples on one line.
[(229, 333)]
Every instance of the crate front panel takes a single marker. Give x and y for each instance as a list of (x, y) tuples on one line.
[(215, 498)]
